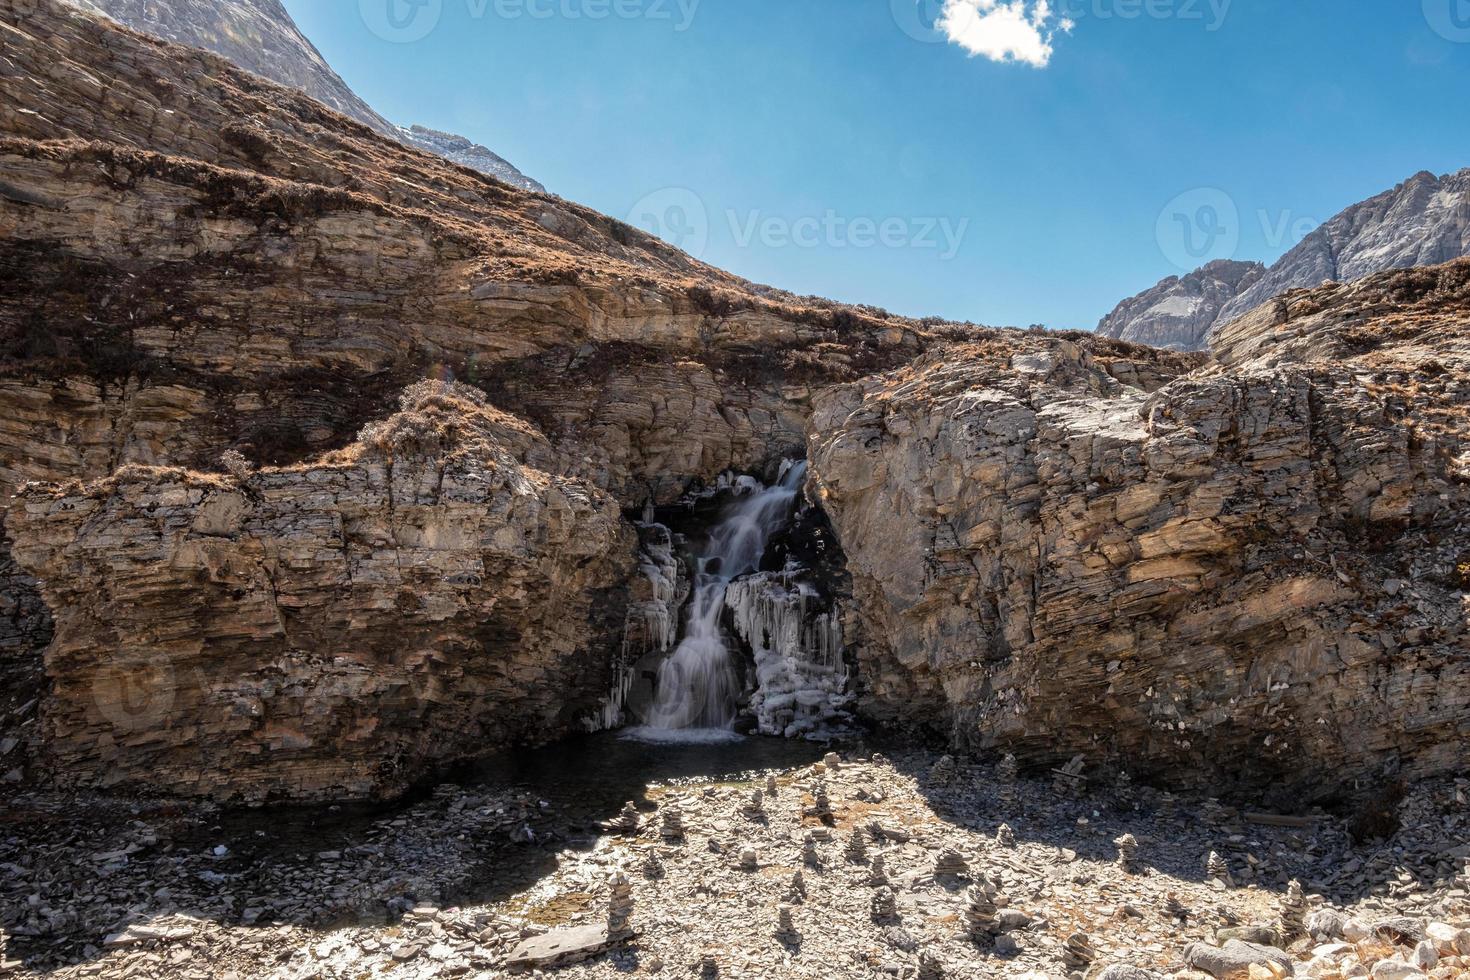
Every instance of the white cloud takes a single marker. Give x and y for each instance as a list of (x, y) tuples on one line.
[(1004, 30)]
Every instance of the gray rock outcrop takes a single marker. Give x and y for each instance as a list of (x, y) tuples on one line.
[(1423, 221)]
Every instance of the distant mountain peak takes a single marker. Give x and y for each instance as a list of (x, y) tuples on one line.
[(1425, 220), (1179, 311), (467, 153)]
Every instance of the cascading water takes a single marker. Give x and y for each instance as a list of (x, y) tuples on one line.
[(699, 685)]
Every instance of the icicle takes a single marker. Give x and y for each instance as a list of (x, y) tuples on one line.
[(801, 674)]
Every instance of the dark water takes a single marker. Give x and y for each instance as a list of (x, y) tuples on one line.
[(568, 790), (583, 780), (595, 775)]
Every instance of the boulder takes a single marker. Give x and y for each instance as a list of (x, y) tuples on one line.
[(1234, 960)]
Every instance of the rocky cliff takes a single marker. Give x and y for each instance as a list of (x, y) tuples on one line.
[(1255, 574), (260, 36), (330, 630), (1423, 221), (1236, 570), (195, 260)]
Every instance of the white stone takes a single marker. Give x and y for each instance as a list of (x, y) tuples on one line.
[(1395, 970), (1448, 940), (1425, 957)]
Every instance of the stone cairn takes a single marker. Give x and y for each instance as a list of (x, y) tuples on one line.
[(653, 867), (857, 848), (832, 761), (772, 787), (930, 968), (878, 872), (785, 923), (1293, 912), (754, 808), (1005, 836), (1212, 812), (1068, 782), (809, 855), (821, 807), (673, 824), (1168, 808), (1127, 846), (627, 821), (1005, 780), (620, 907), (884, 905), (1217, 870), (981, 913), (1078, 953), (796, 891), (1176, 909), (950, 865), (750, 859), (1124, 788), (942, 773)]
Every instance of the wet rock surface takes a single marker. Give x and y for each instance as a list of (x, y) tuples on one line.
[(464, 880)]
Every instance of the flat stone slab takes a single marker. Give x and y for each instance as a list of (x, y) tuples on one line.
[(561, 947)]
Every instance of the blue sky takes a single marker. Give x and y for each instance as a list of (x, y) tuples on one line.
[(975, 159)]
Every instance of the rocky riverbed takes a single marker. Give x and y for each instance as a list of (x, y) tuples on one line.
[(906, 870)]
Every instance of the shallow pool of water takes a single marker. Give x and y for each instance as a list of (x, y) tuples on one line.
[(596, 774)]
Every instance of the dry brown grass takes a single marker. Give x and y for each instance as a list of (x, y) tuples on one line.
[(438, 417)]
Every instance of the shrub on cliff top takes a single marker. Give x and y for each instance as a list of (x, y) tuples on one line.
[(439, 417)]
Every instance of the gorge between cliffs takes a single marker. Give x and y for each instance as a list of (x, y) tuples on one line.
[(348, 492)]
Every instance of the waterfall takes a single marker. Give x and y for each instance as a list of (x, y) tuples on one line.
[(699, 685)]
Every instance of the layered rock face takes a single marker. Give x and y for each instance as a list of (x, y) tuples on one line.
[(1250, 578), (267, 276), (271, 282), (1421, 222), (261, 37), (257, 35), (1245, 570), (332, 630)]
